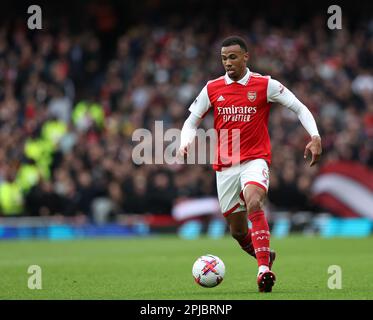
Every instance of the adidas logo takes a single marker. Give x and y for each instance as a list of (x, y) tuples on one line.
[(221, 98)]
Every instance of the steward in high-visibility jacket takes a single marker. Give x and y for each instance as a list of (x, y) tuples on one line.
[(11, 198), (27, 176), (41, 151), (85, 113)]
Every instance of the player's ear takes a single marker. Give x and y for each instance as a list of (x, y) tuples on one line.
[(246, 56)]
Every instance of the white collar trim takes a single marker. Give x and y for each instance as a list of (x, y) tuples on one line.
[(242, 81)]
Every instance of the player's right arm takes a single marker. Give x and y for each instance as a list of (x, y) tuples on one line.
[(198, 110), (280, 94)]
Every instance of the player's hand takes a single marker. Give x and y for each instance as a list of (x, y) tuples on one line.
[(183, 150), (314, 146)]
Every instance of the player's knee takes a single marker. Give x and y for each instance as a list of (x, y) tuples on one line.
[(254, 204)]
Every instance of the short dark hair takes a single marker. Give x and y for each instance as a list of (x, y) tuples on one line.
[(232, 40)]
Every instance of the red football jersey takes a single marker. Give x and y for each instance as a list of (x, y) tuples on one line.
[(240, 108), (243, 106)]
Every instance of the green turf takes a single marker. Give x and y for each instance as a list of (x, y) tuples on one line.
[(160, 268)]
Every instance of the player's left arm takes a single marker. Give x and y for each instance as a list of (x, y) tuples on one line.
[(280, 94)]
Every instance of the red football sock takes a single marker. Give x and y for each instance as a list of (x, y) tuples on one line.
[(247, 245), (260, 237)]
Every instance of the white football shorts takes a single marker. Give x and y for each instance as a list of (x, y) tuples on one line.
[(232, 181)]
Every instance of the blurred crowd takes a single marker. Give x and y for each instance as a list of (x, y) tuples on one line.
[(69, 104)]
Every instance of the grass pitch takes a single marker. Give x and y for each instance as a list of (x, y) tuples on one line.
[(160, 268)]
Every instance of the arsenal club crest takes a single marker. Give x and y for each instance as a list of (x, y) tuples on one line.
[(251, 95)]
